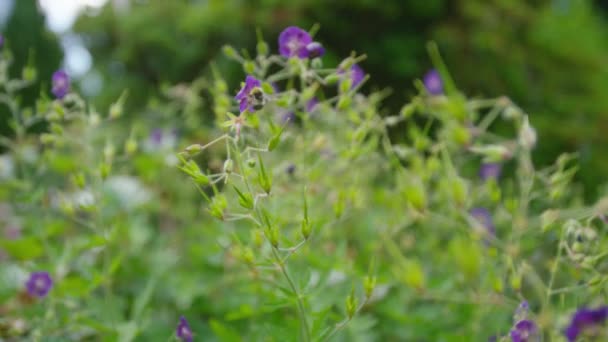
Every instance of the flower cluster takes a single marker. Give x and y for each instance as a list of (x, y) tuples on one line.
[(586, 321), (295, 42)]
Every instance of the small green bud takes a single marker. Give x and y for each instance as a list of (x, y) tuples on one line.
[(108, 151), (249, 67), (345, 85), (193, 149), (94, 119), (273, 237), (79, 180), (228, 166), (104, 170), (351, 304), (47, 138), (459, 191), (305, 229), (332, 79), (56, 129), (229, 51), (369, 283), (344, 102), (267, 88), (515, 281), (309, 92), (115, 110), (251, 162), (29, 73), (262, 48), (130, 146), (248, 256), (317, 63)]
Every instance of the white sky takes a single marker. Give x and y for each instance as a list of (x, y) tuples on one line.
[(61, 14)]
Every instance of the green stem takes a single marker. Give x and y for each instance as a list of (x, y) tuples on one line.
[(301, 311)]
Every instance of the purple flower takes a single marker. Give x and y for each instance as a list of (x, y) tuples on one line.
[(311, 105), (293, 42), (432, 82), (156, 137), (39, 284), (315, 49), (61, 84), (183, 331), (1, 41), (291, 169), (584, 320), (288, 118), (483, 216), (251, 96), (356, 75), (524, 331), (490, 171)]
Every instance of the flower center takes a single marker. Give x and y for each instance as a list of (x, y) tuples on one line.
[(294, 45)]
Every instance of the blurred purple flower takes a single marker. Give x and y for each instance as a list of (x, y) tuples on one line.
[(61, 84), (432, 82), (293, 42), (524, 331), (315, 49), (356, 74), (291, 169), (585, 319), (311, 105), (483, 216), (490, 171), (39, 284), (288, 118), (1, 41), (183, 331), (156, 137), (250, 94)]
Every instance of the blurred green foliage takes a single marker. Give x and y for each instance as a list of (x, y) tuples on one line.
[(31, 44), (547, 55)]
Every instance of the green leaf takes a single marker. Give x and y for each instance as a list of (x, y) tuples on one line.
[(23, 249)]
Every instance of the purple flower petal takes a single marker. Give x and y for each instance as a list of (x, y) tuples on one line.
[(183, 331), (583, 319), (524, 331), (293, 41), (432, 82), (311, 105), (60, 84), (315, 49), (39, 284), (244, 96), (483, 216), (490, 171)]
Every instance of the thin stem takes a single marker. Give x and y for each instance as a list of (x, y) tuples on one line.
[(301, 311), (555, 264)]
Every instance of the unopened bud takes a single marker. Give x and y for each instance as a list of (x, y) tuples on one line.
[(527, 135)]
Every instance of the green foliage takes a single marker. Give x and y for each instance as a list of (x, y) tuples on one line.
[(349, 222)]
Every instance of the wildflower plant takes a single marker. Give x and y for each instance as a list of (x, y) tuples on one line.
[(306, 213)]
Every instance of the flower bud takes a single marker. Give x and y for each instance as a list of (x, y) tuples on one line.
[(332, 79), (527, 135), (351, 304), (305, 229), (344, 102), (229, 51), (369, 283), (249, 67), (130, 146), (193, 149), (262, 48), (228, 166)]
